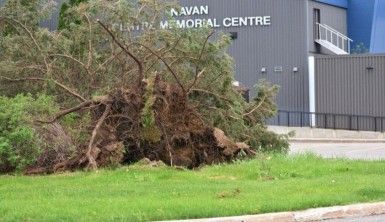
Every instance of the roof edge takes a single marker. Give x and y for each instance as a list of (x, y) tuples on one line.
[(338, 3)]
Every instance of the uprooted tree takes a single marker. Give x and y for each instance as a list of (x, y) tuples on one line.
[(142, 91)]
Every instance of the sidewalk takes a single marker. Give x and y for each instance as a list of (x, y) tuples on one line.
[(306, 134), (356, 151), (318, 214)]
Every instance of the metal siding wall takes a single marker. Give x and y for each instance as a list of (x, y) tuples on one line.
[(333, 16), (344, 85), (283, 43)]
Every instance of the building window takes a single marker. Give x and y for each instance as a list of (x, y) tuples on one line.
[(316, 21)]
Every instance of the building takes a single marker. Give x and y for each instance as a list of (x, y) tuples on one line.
[(304, 46)]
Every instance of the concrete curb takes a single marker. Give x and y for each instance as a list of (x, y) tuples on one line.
[(306, 133), (317, 214), (333, 140)]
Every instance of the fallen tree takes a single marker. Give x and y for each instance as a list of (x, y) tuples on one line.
[(159, 94)]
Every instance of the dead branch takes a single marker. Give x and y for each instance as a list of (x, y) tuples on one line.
[(91, 160), (67, 89), (68, 111)]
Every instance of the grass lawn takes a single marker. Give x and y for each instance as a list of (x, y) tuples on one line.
[(140, 193)]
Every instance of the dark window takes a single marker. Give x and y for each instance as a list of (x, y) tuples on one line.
[(316, 21)]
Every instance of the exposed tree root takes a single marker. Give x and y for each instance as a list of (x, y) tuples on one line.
[(178, 136)]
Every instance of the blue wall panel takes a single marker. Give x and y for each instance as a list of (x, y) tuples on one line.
[(378, 31), (360, 21), (339, 3)]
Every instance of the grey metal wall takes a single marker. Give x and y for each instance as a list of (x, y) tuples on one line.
[(333, 16), (353, 84), (282, 44)]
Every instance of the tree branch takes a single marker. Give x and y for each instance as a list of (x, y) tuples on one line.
[(256, 107), (196, 79), (68, 111), (29, 34), (165, 63), (140, 65), (204, 45), (71, 58), (210, 93), (197, 73), (106, 62), (91, 160)]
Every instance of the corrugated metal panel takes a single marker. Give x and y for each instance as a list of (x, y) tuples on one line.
[(351, 85), (282, 44)]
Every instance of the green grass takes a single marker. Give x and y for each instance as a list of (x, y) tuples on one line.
[(141, 193)]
